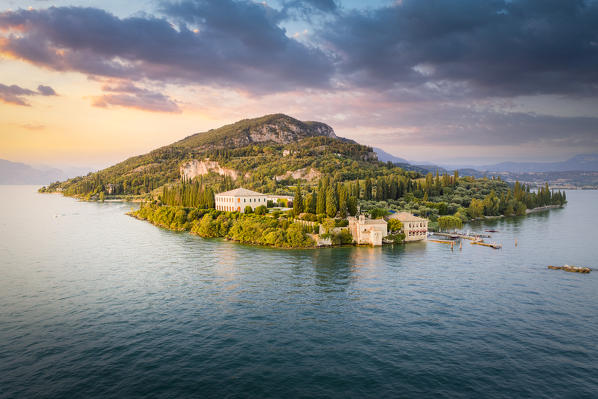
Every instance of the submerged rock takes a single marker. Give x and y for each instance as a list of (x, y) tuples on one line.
[(572, 269)]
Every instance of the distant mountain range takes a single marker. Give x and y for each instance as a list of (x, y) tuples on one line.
[(578, 163), (384, 156), (580, 171), (20, 173), (581, 162)]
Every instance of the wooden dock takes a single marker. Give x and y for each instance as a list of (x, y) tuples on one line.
[(455, 236), (449, 242), (485, 244)]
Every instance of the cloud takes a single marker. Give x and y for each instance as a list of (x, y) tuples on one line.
[(307, 9), (126, 94), (17, 95), (433, 71), (219, 43), (458, 126), (490, 48), (473, 48), (46, 90)]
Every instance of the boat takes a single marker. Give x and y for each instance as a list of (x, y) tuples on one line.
[(491, 231)]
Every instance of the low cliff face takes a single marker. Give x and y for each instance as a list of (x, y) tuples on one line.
[(194, 168)]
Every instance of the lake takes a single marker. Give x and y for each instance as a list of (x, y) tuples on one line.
[(96, 304)]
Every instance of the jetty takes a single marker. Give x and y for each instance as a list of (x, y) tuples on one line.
[(449, 242), (572, 269), (485, 244), (457, 235)]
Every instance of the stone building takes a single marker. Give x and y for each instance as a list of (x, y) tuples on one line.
[(367, 231), (414, 227), (236, 200)]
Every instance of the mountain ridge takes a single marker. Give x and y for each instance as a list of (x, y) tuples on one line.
[(19, 173), (579, 162)]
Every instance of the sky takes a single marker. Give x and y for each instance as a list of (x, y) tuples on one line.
[(90, 83)]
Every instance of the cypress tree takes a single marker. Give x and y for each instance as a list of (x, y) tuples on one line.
[(321, 198), (313, 202), (342, 201), (331, 207), (298, 201)]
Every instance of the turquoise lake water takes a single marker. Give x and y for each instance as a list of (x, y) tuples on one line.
[(95, 304)]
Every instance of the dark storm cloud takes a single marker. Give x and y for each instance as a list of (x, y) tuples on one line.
[(469, 47), (498, 48), (127, 95), (17, 95), (237, 44)]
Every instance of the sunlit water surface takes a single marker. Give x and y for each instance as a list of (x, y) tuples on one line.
[(96, 304)]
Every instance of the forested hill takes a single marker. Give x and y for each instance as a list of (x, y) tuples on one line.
[(264, 153)]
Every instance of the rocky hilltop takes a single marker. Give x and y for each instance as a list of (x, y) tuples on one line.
[(275, 128)]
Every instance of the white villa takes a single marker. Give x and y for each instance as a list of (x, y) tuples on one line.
[(414, 227), (236, 200), (367, 231)]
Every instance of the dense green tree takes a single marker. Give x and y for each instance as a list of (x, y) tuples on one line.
[(261, 210), (207, 227), (449, 223), (331, 204), (368, 189), (321, 198), (352, 205), (476, 208), (342, 201), (378, 213), (298, 201), (394, 225), (313, 200), (491, 204)]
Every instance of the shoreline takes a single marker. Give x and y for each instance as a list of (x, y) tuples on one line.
[(527, 212), (543, 208)]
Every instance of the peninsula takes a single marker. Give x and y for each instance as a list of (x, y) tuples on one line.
[(278, 181)]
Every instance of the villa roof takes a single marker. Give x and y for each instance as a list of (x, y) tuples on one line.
[(241, 192), (407, 217)]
